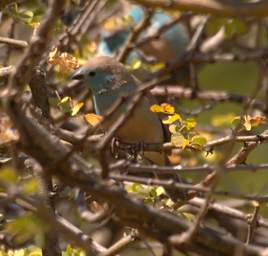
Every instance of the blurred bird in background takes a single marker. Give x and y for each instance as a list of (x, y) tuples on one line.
[(168, 48)]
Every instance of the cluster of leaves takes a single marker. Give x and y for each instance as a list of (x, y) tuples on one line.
[(36, 251), (149, 194), (30, 251), (149, 67), (26, 186), (183, 131), (68, 105), (63, 60), (231, 120), (30, 14)]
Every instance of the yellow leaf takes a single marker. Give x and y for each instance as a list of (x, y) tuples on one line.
[(163, 108), (167, 108), (189, 123), (171, 119), (76, 108), (154, 67), (247, 123), (65, 61), (135, 64), (255, 204), (156, 108), (257, 120), (65, 99), (173, 128), (93, 119)]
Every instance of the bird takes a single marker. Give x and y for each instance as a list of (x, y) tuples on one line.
[(109, 80), (168, 48)]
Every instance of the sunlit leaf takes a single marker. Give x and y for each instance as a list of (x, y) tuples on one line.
[(136, 187), (65, 61), (64, 100), (247, 123), (76, 108), (163, 108), (156, 108), (257, 120), (178, 140), (189, 123), (25, 227), (174, 128), (93, 119), (160, 191), (168, 109), (135, 64), (199, 140), (155, 67), (236, 121), (171, 119)]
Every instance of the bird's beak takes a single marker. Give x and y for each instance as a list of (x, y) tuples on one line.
[(79, 74)]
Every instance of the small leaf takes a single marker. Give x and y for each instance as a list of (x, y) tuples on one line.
[(255, 203), (178, 140), (257, 120), (135, 64), (64, 100), (174, 128), (189, 123), (167, 108), (76, 108), (236, 121), (156, 108), (171, 119), (247, 123), (64, 61), (154, 67), (160, 191), (199, 140), (93, 119)]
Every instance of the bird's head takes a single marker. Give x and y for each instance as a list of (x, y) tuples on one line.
[(103, 74)]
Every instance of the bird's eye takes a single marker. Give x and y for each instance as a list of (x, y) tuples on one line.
[(92, 73)]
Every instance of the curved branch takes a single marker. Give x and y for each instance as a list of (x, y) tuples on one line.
[(256, 9)]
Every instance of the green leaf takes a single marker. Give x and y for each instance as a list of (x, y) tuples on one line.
[(136, 187), (76, 108), (8, 175), (30, 186), (189, 123), (160, 191), (25, 227), (178, 140), (199, 140)]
